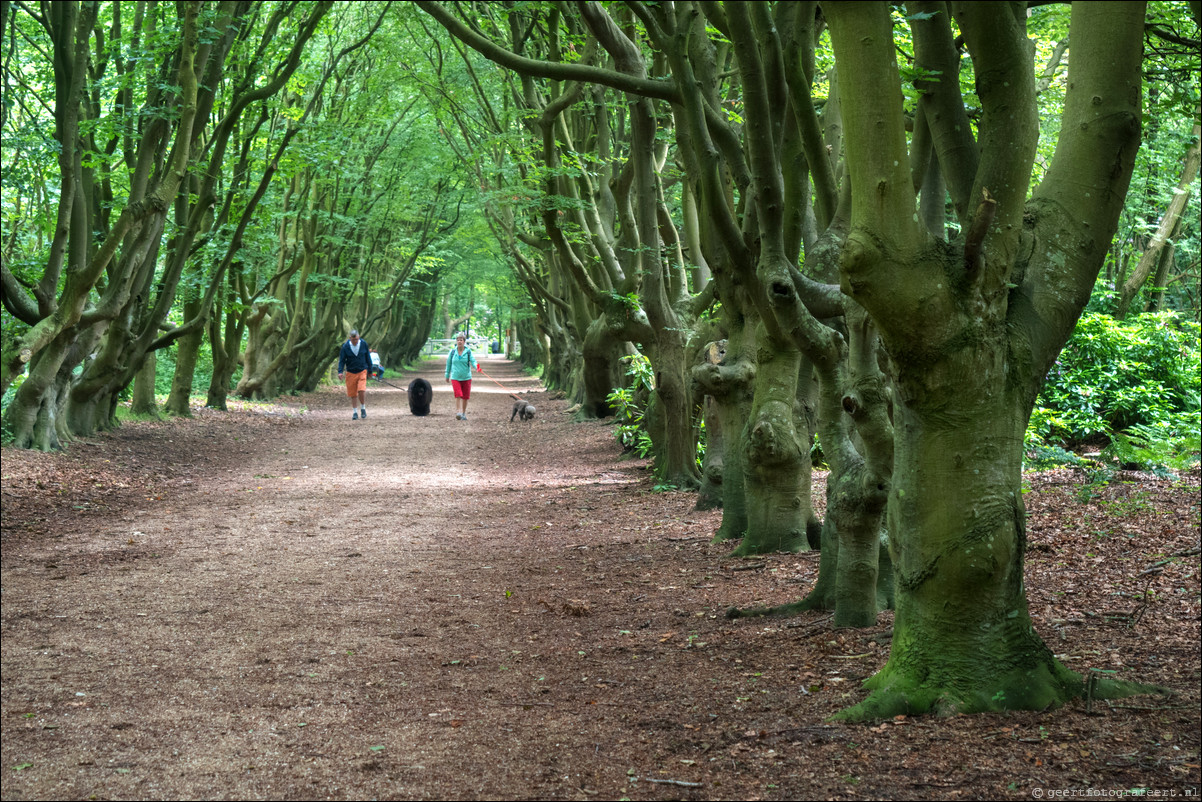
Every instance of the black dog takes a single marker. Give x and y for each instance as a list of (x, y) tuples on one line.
[(523, 409), (420, 393)]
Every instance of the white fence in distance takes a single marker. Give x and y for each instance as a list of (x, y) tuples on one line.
[(481, 347)]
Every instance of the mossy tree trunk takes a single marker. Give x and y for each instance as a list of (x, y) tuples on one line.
[(225, 342), (857, 438), (731, 384), (186, 356), (723, 385), (777, 458), (601, 353), (143, 402), (973, 325)]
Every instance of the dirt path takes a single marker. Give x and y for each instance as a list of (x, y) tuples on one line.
[(277, 605)]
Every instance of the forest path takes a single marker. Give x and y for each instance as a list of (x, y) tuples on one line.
[(265, 604), (325, 607)]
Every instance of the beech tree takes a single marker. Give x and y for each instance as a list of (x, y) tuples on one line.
[(972, 325), (746, 209), (138, 329)]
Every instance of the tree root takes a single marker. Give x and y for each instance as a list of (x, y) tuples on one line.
[(1042, 687), (780, 611), (791, 544)]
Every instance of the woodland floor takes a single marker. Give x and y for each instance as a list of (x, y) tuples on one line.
[(279, 602)]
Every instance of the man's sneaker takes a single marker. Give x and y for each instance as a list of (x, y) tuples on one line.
[(355, 416), (364, 410)]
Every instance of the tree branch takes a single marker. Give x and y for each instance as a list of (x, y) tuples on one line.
[(974, 259), (1003, 64), (16, 300), (1169, 224), (1049, 72), (940, 102), (798, 38), (646, 87), (1076, 208)]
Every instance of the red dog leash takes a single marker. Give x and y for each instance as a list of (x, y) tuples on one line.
[(480, 369)]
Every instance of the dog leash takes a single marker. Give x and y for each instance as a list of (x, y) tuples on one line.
[(480, 369), (390, 384)]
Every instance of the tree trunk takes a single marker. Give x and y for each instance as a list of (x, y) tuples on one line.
[(1161, 281), (858, 438), (1170, 224), (32, 417), (963, 638), (777, 455), (225, 346), (532, 344), (143, 400), (972, 327), (709, 495), (258, 358), (709, 360), (601, 352), (851, 581), (272, 343), (676, 447), (186, 355), (855, 571)]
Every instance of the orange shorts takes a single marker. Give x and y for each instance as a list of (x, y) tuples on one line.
[(463, 389), (356, 383)]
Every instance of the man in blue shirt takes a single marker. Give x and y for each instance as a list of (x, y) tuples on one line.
[(354, 361)]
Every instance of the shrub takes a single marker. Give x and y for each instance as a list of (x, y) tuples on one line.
[(630, 405), (1133, 385)]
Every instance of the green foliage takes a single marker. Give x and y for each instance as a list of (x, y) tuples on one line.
[(630, 301), (1147, 446), (630, 405), (1133, 385), (1040, 456), (1113, 375), (817, 457)]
